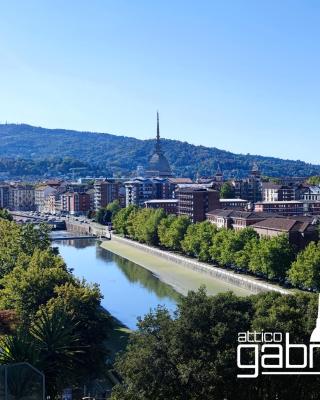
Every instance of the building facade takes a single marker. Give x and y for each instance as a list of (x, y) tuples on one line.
[(293, 208), (21, 197), (140, 190), (105, 192), (249, 188), (195, 201), (4, 195), (41, 195), (169, 206), (75, 203)]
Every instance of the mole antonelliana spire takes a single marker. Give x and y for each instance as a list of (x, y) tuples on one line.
[(158, 163), (158, 145), (315, 336)]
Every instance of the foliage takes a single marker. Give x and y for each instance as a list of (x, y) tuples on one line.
[(198, 240), (305, 271), (227, 191), (192, 355), (121, 220), (172, 231), (59, 324), (32, 282), (314, 180), (50, 344), (105, 215), (4, 214), (144, 225), (17, 241), (243, 249), (81, 303), (27, 151), (272, 257)]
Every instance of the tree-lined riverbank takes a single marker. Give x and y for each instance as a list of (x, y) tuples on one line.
[(183, 273)]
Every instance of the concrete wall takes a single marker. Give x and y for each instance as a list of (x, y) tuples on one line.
[(250, 283), (87, 229)]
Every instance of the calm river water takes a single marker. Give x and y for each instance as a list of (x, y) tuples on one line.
[(129, 290)]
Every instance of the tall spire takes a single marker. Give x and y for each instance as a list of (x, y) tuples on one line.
[(158, 145)]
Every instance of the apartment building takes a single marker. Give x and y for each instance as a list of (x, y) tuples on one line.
[(195, 201), (139, 190), (249, 188), (240, 204), (105, 192), (75, 203), (293, 207), (41, 195), (22, 197), (170, 206), (4, 195), (311, 193), (275, 192)]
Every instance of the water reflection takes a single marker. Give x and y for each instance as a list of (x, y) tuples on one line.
[(129, 290), (135, 273)]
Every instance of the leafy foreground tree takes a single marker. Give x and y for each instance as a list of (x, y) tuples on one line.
[(50, 345), (192, 355), (50, 318)]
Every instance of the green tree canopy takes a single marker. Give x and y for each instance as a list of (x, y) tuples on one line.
[(227, 191), (305, 270)]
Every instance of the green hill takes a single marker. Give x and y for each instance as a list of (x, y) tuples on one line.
[(27, 150)]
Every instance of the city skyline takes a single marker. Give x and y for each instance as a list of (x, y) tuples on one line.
[(239, 77)]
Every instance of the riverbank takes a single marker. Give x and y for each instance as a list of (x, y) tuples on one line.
[(187, 274), (180, 278)]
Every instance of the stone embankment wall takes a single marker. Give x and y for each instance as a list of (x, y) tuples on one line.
[(240, 280), (87, 229)]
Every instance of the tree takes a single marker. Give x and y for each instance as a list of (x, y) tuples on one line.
[(314, 180), (227, 191), (106, 214), (59, 349), (4, 214), (188, 357), (103, 216), (198, 240), (172, 231), (31, 284), (114, 207), (163, 229), (121, 219), (50, 345), (34, 237), (81, 303), (305, 270), (143, 225), (192, 355), (272, 257)]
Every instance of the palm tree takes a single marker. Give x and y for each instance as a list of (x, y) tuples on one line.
[(59, 348), (51, 345)]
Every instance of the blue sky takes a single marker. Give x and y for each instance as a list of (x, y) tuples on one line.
[(238, 75)]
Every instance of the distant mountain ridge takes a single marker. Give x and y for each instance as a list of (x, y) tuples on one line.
[(105, 153)]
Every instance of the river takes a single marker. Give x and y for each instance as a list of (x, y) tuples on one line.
[(129, 290)]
